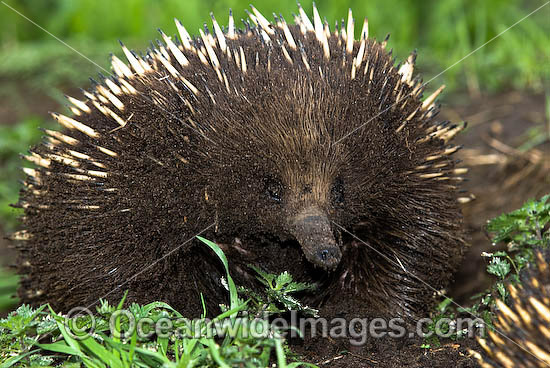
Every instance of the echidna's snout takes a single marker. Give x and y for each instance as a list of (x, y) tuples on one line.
[(312, 229)]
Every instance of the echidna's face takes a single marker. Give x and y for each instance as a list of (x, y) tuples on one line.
[(309, 202), (293, 200), (288, 175)]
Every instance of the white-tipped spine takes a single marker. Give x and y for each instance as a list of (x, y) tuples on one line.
[(127, 87), (460, 171), (78, 177), (288, 36), (64, 160), (350, 33), (360, 54), (202, 57), (79, 104), (286, 54), (167, 64), (453, 132), (365, 30), (305, 19), (136, 65), (429, 102), (190, 85), (262, 21), (62, 137), (96, 173), (107, 151), (304, 58), (112, 98), (31, 172), (326, 29), (120, 67), (184, 35), (317, 23), (117, 118), (180, 57), (22, 235), (231, 26), (300, 23), (219, 34), (243, 60), (113, 87), (75, 111), (74, 124), (320, 32), (464, 200), (406, 70), (38, 160)]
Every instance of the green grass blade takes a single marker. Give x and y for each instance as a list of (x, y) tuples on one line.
[(109, 358), (11, 361), (68, 339), (281, 358), (232, 288), (60, 347), (149, 307), (215, 352)]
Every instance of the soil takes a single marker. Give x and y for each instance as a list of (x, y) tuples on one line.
[(501, 178), (21, 101), (338, 355)]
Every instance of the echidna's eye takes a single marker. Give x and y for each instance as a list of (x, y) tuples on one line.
[(337, 192), (274, 190)]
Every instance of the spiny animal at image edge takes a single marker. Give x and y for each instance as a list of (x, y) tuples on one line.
[(522, 328), (276, 134)]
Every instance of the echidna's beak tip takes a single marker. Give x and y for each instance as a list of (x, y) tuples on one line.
[(312, 229), (328, 257)]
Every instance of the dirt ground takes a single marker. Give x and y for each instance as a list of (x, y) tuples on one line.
[(500, 177)]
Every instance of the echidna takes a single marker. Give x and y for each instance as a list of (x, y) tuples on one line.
[(294, 146), (522, 329)]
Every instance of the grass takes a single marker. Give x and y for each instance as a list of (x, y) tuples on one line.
[(47, 65), (442, 31), (42, 337), (8, 286), (539, 134), (14, 140)]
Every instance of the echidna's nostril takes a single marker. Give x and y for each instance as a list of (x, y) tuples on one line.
[(329, 256)]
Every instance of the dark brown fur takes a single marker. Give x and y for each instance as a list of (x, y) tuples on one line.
[(245, 163)]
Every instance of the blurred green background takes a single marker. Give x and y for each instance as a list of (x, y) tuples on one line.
[(36, 69)]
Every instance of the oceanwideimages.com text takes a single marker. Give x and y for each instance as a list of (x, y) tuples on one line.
[(357, 330)]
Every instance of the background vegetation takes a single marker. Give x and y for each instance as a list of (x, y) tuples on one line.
[(36, 69), (442, 31)]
